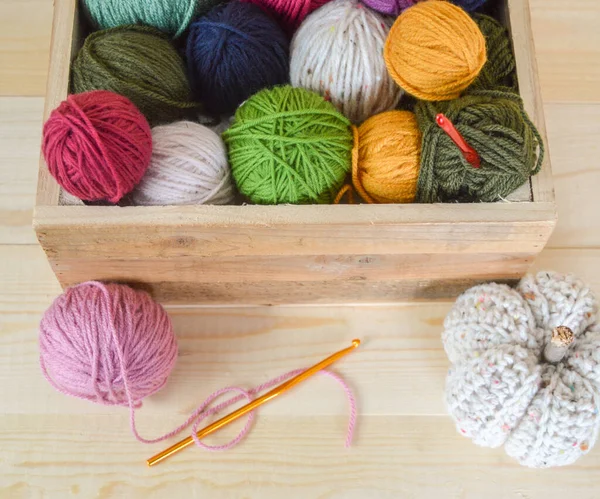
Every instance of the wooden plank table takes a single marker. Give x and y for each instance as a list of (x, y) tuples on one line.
[(54, 446)]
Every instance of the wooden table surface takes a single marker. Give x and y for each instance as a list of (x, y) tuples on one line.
[(57, 447)]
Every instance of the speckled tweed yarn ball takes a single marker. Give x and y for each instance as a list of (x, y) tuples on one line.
[(188, 166), (337, 52), (526, 368)]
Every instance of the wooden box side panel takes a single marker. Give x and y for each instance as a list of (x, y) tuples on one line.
[(66, 28), (519, 16), (395, 253)]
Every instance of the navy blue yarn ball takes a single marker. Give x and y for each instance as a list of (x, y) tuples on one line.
[(469, 5), (233, 52)]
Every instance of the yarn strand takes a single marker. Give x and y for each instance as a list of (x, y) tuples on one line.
[(204, 410)]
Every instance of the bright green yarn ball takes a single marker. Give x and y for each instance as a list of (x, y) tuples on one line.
[(289, 145), (170, 16)]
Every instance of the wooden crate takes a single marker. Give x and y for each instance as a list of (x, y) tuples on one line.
[(295, 254)]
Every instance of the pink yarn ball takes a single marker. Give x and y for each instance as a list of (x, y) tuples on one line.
[(107, 343), (97, 145), (289, 13), (390, 7)]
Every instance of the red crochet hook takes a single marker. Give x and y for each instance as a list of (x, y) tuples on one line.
[(467, 151)]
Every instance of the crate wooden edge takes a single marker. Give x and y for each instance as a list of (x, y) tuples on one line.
[(519, 14), (67, 233), (65, 36)]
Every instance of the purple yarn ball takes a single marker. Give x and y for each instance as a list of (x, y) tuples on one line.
[(395, 7), (233, 52), (389, 7)]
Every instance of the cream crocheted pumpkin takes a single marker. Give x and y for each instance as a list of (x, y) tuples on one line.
[(526, 368)]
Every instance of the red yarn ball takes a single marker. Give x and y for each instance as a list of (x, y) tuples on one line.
[(97, 145), (289, 13)]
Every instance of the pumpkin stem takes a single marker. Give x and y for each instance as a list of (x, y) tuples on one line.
[(556, 349)]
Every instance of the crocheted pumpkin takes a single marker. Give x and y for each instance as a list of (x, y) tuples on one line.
[(526, 368)]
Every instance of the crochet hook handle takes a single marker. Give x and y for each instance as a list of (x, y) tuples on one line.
[(278, 390), (467, 151)]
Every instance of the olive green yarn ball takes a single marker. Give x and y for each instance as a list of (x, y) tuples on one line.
[(495, 124), (139, 63), (289, 145), (500, 68), (170, 16)]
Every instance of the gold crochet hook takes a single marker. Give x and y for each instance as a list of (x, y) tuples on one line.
[(278, 390)]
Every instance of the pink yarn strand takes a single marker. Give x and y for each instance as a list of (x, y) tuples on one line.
[(202, 412)]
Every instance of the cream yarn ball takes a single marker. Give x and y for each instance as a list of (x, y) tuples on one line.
[(526, 368), (338, 52), (188, 166)]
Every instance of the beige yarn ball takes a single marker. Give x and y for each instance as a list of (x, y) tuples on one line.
[(338, 53), (526, 368), (188, 166)]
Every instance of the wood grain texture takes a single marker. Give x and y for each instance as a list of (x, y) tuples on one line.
[(65, 37), (392, 458), (568, 49), (24, 39), (574, 132), (20, 135), (542, 188)]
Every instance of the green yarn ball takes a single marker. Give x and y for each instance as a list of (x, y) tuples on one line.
[(138, 62), (289, 145), (171, 16), (500, 68), (493, 123)]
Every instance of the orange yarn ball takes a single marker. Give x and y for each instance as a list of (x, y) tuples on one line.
[(388, 158), (434, 50)]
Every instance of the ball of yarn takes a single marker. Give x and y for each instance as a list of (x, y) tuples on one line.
[(337, 53), (435, 50), (139, 63), (107, 343), (500, 68), (233, 52), (394, 7), (289, 13), (170, 16), (97, 145), (389, 7), (389, 151), (493, 123), (288, 145), (469, 5), (525, 367), (188, 166)]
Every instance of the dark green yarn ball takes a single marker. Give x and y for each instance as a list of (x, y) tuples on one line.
[(138, 62), (495, 124), (500, 68)]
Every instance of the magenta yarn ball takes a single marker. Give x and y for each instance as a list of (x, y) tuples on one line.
[(289, 13), (107, 343)]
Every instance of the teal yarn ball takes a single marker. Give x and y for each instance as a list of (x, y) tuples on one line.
[(289, 145), (139, 63), (495, 124), (170, 16)]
